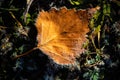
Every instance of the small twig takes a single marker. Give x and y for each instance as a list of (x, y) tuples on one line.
[(21, 28), (6, 9), (92, 65), (27, 9), (2, 27)]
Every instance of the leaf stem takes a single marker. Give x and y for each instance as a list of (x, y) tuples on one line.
[(26, 53)]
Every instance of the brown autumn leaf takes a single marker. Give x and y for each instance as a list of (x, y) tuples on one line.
[(61, 34)]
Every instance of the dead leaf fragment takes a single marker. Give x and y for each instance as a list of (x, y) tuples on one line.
[(61, 34)]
